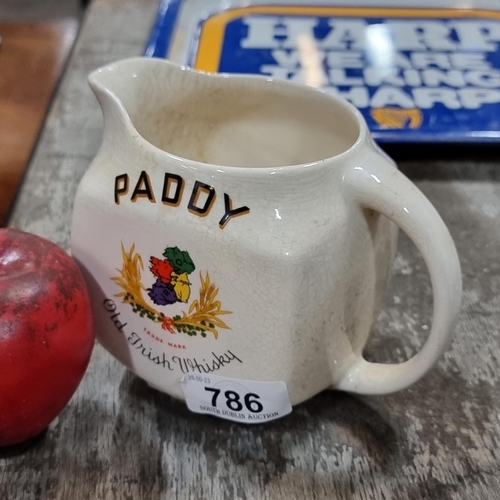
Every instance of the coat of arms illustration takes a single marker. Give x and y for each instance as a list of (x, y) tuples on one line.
[(170, 284)]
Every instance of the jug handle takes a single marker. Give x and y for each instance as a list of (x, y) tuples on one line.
[(383, 188)]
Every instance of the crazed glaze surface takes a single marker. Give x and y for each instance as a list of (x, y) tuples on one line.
[(231, 225)]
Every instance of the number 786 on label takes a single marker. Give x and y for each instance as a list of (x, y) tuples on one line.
[(245, 401)]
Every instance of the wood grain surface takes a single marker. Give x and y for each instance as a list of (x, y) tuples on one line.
[(119, 439), (32, 56)]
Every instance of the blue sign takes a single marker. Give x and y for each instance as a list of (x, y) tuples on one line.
[(417, 75)]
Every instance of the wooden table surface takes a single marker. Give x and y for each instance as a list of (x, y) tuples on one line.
[(119, 439), (30, 52)]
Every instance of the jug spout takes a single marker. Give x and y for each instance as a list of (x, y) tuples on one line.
[(138, 95), (115, 87)]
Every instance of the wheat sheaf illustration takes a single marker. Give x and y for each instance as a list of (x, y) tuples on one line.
[(172, 285)]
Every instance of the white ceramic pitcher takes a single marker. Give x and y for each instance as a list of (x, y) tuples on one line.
[(240, 226)]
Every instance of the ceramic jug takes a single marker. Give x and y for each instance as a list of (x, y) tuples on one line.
[(245, 227)]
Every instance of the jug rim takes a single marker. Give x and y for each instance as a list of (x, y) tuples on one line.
[(362, 134)]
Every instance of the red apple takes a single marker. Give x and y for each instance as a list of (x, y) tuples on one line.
[(46, 333)]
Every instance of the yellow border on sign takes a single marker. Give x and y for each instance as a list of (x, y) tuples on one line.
[(213, 29)]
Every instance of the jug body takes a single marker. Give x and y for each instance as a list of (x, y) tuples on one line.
[(220, 232)]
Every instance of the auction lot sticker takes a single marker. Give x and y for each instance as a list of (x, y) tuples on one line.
[(244, 401)]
